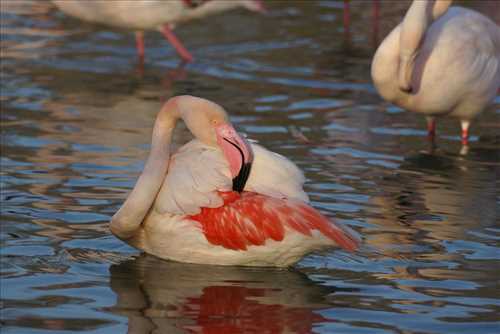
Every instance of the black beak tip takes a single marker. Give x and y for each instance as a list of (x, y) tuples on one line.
[(407, 90), (237, 187), (241, 179)]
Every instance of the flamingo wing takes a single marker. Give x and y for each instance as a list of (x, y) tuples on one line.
[(250, 219), (197, 173), (274, 175)]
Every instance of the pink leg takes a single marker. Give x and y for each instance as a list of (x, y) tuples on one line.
[(139, 42), (465, 132), (465, 137), (172, 39), (346, 16), (376, 14), (173, 75), (431, 128)]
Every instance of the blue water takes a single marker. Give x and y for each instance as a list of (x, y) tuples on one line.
[(76, 117)]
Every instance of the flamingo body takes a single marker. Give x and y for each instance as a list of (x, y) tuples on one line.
[(135, 15), (142, 15), (195, 215), (456, 68), (148, 14)]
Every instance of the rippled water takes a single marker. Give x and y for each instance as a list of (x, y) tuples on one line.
[(76, 120)]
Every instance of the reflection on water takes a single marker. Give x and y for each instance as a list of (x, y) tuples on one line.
[(76, 121), (171, 297)]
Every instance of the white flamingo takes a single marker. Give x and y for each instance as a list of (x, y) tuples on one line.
[(219, 199), (440, 61), (141, 15)]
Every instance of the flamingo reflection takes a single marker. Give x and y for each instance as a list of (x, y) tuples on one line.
[(174, 297)]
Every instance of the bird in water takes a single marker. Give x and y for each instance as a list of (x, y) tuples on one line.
[(440, 61), (220, 199), (160, 15)]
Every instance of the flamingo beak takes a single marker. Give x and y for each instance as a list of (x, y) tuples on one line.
[(238, 154), (406, 69)]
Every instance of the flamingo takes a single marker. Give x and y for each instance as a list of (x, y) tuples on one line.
[(161, 15), (221, 199), (440, 61)]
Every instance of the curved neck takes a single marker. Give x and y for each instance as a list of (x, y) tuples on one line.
[(129, 217), (417, 19)]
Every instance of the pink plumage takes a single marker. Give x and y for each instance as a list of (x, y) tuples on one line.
[(249, 219)]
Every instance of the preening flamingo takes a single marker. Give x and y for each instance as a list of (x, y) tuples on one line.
[(440, 61), (221, 199), (161, 15)]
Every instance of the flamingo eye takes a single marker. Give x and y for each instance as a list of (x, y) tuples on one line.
[(215, 122)]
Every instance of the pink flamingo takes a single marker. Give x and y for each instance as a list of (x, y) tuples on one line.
[(161, 15), (440, 61), (220, 199)]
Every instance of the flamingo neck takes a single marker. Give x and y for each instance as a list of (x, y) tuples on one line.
[(440, 7), (137, 205), (418, 18)]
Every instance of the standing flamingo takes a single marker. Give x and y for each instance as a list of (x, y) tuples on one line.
[(141, 15), (220, 199), (440, 61)]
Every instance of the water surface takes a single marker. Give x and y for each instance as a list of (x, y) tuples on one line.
[(76, 119)]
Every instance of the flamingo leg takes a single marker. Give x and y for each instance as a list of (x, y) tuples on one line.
[(431, 128), (176, 43), (173, 75), (376, 15), (465, 132), (139, 42), (347, 15)]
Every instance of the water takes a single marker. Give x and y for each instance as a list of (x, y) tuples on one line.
[(76, 121)]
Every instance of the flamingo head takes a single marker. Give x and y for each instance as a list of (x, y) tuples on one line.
[(237, 152), (406, 69), (210, 124)]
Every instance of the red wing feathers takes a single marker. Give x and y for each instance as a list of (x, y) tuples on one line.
[(250, 219)]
